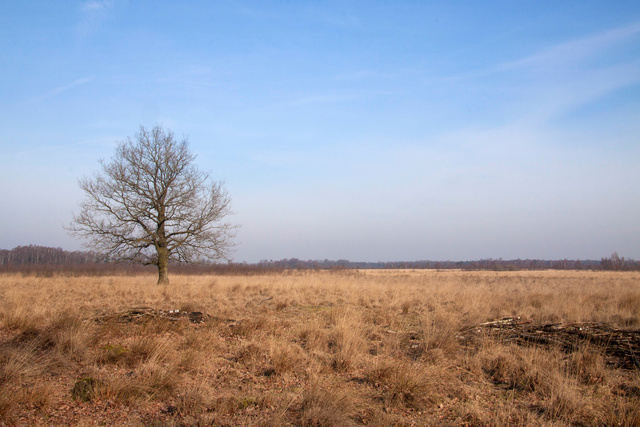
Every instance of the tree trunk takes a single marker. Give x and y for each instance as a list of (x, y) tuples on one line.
[(163, 266), (161, 247)]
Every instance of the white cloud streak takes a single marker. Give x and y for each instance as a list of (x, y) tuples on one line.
[(569, 75), (93, 13), (576, 50), (57, 91), (94, 6), (71, 85)]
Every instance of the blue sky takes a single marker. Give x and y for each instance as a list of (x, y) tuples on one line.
[(364, 130)]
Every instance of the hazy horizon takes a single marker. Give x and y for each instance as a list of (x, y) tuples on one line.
[(366, 131)]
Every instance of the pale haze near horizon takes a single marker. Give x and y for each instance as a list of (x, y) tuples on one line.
[(368, 131)]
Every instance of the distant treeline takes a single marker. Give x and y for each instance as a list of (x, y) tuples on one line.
[(35, 259), (34, 255), (612, 263)]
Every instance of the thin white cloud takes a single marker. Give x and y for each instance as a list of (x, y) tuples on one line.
[(572, 74), (93, 13), (94, 6), (64, 88), (581, 88), (557, 57), (57, 91), (576, 50)]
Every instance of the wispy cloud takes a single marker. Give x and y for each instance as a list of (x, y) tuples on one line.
[(581, 88), (575, 73), (94, 6), (64, 88), (557, 58), (93, 13), (576, 50), (57, 91)]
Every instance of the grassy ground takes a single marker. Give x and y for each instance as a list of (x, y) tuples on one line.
[(312, 348)]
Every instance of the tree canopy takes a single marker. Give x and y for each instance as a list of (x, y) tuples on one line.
[(151, 204)]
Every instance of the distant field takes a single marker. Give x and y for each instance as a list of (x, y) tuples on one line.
[(369, 347)]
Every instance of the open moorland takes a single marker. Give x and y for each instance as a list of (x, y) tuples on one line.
[(369, 347)]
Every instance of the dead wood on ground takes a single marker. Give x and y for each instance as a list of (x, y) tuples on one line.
[(621, 347)]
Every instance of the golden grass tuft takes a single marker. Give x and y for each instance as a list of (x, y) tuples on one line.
[(324, 405)]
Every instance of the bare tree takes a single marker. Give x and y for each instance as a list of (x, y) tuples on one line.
[(151, 204)]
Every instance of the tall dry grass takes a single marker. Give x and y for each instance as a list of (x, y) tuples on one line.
[(376, 347)]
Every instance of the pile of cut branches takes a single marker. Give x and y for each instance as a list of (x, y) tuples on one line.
[(621, 347), (145, 314)]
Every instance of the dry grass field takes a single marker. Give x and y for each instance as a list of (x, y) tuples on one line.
[(318, 349)]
